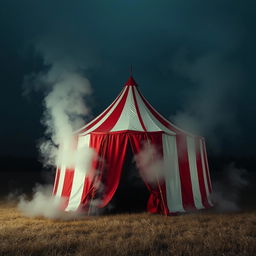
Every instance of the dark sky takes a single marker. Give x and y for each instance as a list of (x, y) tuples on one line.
[(194, 60)]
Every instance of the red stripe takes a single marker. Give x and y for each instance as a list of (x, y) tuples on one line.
[(185, 178), (56, 182), (158, 116), (138, 111), (67, 187), (110, 122), (95, 143), (207, 167), (157, 202), (200, 174), (96, 120)]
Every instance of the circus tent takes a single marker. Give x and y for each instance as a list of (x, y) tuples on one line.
[(131, 121)]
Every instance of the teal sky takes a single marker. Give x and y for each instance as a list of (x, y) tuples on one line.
[(193, 57)]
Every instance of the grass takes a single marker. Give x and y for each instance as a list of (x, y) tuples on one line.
[(202, 233)]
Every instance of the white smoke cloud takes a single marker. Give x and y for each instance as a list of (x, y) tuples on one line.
[(227, 190), (209, 102), (44, 205), (64, 112), (208, 108), (66, 92), (150, 164)]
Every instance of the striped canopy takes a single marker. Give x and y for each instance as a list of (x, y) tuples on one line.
[(131, 121)]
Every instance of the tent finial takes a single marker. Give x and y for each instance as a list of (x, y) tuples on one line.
[(131, 69)]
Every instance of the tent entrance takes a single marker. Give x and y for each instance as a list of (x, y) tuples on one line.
[(132, 194)]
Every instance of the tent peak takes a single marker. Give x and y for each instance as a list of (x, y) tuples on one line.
[(131, 82)]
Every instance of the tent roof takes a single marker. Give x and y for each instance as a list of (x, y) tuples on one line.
[(131, 82), (130, 111)]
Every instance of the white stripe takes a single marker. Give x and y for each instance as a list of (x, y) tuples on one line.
[(79, 178), (106, 116), (204, 173), (93, 120), (172, 174), (147, 120), (61, 181), (166, 120), (193, 172), (128, 119), (147, 116)]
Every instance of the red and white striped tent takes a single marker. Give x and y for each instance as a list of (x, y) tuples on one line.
[(130, 121)]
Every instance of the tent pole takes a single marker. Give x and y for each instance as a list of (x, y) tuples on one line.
[(97, 178), (158, 183), (161, 193), (90, 206)]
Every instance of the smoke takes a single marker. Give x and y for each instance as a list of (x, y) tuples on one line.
[(64, 112), (150, 164), (227, 190), (66, 91), (208, 105), (44, 205), (209, 110)]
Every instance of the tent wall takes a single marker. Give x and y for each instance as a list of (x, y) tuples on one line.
[(172, 174), (157, 202), (185, 185), (76, 191), (112, 149), (186, 174)]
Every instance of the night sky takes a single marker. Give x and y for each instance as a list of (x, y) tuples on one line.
[(194, 61)]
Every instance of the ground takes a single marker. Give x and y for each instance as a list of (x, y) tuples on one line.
[(201, 233)]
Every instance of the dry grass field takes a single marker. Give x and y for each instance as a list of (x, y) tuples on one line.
[(203, 233)]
